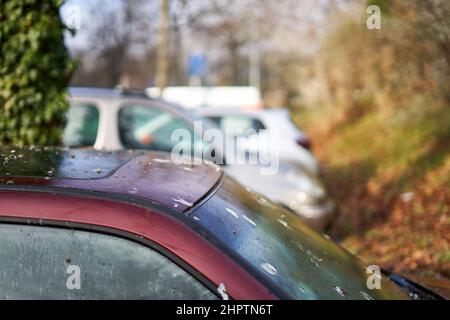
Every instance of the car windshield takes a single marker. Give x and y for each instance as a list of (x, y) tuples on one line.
[(282, 251)]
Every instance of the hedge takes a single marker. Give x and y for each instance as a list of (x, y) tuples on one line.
[(35, 69)]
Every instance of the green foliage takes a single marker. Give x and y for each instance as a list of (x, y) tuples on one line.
[(35, 69), (385, 5), (379, 107), (410, 55)]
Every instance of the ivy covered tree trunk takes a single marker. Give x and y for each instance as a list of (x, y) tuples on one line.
[(35, 70)]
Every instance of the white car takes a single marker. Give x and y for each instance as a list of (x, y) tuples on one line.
[(107, 119), (267, 127), (217, 96)]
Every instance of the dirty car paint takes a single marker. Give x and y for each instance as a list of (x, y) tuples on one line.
[(283, 250), (148, 175)]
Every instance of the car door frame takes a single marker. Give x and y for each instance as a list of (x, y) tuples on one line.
[(118, 234), (198, 257)]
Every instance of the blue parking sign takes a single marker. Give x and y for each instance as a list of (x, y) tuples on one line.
[(197, 65)]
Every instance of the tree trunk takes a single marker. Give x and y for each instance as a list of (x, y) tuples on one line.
[(163, 48)]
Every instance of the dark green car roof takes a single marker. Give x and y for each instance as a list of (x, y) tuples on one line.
[(279, 248)]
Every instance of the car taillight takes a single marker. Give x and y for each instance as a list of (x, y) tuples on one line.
[(304, 142)]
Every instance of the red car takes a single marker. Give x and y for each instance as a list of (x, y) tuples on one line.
[(82, 224)]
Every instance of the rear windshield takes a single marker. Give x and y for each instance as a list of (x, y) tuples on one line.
[(282, 251)]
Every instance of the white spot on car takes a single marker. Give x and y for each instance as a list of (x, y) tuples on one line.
[(340, 290), (182, 201), (284, 224), (161, 160), (222, 290), (366, 295), (270, 269), (134, 190), (234, 214), (249, 220), (300, 289)]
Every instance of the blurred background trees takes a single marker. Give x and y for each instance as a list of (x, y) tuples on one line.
[(35, 70), (387, 67), (305, 52), (243, 42), (117, 43), (378, 102)]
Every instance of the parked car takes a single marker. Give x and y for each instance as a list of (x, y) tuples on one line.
[(193, 97), (84, 224), (293, 144), (113, 120)]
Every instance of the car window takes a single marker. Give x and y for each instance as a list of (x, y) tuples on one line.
[(238, 125), (82, 125), (144, 127), (38, 262)]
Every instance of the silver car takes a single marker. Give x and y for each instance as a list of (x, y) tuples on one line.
[(293, 144), (110, 119)]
